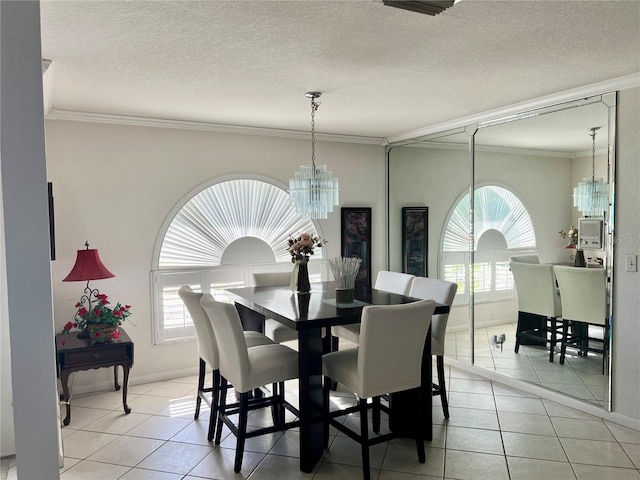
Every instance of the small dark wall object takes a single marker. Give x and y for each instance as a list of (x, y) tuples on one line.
[(415, 235), (52, 226), (356, 240)]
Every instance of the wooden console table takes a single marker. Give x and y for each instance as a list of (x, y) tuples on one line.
[(74, 354)]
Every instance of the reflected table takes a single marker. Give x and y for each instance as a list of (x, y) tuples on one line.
[(312, 315)]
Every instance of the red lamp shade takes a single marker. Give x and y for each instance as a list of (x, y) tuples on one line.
[(88, 267)]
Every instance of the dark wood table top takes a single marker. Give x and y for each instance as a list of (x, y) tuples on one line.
[(317, 308)]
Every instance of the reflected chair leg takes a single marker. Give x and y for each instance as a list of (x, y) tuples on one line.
[(335, 341), (281, 411), (518, 330), (364, 439), (222, 408), (242, 430), (275, 411), (215, 401), (553, 339), (563, 348), (201, 373), (376, 414), (442, 386)]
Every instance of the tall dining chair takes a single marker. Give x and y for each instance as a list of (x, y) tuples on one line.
[(442, 292), (273, 329), (584, 302), (388, 360), (248, 369), (538, 295), (208, 352), (394, 282)]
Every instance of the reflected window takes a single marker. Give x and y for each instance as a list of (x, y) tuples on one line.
[(502, 228)]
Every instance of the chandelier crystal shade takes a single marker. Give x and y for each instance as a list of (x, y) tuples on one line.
[(313, 189), (591, 196)]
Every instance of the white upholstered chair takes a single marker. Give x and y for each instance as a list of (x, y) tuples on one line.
[(538, 295), (394, 282), (584, 302), (248, 369), (525, 258), (273, 329), (388, 360), (208, 351), (442, 292)]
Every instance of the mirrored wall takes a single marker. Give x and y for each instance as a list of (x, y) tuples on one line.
[(515, 178)]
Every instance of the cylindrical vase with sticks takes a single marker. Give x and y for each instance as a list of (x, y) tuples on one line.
[(345, 271)]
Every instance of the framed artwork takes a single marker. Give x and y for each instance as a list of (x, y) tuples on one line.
[(415, 234), (356, 240)]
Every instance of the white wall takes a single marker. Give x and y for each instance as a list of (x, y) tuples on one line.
[(115, 185)]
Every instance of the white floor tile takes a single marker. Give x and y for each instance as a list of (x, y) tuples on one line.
[(474, 440), (589, 472), (533, 446), (162, 428), (585, 429), (86, 470), (82, 444), (126, 451), (218, 465), (532, 469), (475, 466), (593, 452), (175, 457)]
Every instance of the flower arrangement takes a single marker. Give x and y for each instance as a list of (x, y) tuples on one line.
[(302, 246), (572, 235), (97, 312)]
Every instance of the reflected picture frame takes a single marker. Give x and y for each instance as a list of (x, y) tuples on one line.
[(415, 236), (356, 239)]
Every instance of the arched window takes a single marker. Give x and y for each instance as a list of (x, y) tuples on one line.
[(502, 228), (216, 238)]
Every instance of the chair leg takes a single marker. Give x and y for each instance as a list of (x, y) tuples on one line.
[(376, 414), (364, 439), (275, 411), (518, 330), (326, 387), (242, 430), (553, 340), (281, 410), (563, 347), (222, 408), (420, 421), (202, 367), (442, 386), (215, 401)]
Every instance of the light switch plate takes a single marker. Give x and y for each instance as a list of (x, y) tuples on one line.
[(630, 263)]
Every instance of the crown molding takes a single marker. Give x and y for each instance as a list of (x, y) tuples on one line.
[(612, 85), (77, 116)]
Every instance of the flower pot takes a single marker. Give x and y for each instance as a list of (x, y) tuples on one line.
[(101, 333), (303, 284)]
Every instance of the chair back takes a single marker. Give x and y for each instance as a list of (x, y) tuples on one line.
[(394, 282), (536, 289), (271, 279), (392, 339), (526, 259), (234, 358), (207, 346), (584, 294), (442, 292)]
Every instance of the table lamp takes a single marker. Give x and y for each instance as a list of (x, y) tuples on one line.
[(88, 267)]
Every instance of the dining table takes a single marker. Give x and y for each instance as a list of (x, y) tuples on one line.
[(312, 315)]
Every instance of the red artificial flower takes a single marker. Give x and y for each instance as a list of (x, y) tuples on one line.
[(69, 326), (82, 311), (78, 304), (117, 313), (97, 312), (98, 334), (127, 307), (101, 296), (63, 342), (116, 335)]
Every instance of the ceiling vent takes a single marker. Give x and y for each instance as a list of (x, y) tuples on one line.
[(432, 8)]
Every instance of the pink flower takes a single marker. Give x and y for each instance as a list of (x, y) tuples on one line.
[(116, 335)]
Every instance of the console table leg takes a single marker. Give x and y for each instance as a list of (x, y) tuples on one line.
[(115, 377), (64, 379), (125, 382)]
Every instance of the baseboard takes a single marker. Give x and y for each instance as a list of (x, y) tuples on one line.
[(557, 397)]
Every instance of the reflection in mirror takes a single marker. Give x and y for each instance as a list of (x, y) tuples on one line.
[(532, 165), (434, 172), (524, 172)]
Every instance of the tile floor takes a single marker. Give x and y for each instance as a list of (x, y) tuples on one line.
[(495, 432), (580, 377)]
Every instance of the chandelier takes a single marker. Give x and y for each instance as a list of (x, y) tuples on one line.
[(313, 190), (591, 196)]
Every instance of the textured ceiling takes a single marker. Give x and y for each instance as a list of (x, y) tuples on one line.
[(383, 71)]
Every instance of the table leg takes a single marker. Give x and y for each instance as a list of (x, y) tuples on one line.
[(125, 383), (310, 381), (115, 377), (64, 379)]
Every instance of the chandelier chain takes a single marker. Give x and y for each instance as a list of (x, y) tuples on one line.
[(314, 107)]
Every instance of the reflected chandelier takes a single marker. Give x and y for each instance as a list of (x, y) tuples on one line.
[(313, 190), (591, 196)]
